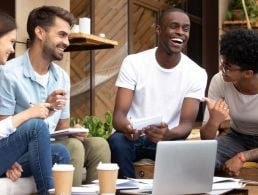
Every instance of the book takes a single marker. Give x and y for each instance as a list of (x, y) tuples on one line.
[(226, 183), (69, 131)]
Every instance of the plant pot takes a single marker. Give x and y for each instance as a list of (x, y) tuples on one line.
[(238, 14)]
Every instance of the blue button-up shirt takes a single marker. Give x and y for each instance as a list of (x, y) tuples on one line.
[(20, 88)]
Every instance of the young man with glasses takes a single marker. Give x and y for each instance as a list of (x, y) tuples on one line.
[(226, 67), (233, 93)]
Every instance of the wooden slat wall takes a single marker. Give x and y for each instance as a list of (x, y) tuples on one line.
[(79, 60), (143, 28), (111, 19)]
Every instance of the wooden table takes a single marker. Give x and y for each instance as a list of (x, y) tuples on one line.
[(81, 41), (249, 190), (252, 190)]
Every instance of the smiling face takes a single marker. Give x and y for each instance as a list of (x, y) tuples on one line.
[(56, 40), (173, 32), (6, 45)]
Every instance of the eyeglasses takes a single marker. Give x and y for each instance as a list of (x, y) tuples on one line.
[(225, 67)]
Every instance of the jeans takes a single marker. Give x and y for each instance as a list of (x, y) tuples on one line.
[(231, 144), (125, 152), (30, 146)]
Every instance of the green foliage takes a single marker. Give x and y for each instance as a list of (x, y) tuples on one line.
[(98, 128), (252, 10), (74, 121), (251, 7), (235, 4)]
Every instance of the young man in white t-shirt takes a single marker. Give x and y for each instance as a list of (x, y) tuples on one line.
[(160, 81), (234, 92)]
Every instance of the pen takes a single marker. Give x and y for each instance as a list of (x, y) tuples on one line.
[(136, 180), (51, 109)]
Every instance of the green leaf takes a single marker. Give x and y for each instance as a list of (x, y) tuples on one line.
[(98, 128)]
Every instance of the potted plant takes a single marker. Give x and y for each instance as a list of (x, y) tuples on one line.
[(97, 127), (236, 11)]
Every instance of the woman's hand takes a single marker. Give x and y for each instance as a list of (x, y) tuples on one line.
[(14, 172), (39, 110)]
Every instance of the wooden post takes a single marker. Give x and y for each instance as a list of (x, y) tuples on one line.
[(246, 15)]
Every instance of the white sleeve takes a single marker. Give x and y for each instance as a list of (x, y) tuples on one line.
[(197, 89), (6, 127), (127, 75)]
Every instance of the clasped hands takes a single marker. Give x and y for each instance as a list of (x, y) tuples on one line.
[(153, 132), (232, 166)]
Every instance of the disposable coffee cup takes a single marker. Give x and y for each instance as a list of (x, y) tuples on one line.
[(84, 25), (63, 178), (107, 175)]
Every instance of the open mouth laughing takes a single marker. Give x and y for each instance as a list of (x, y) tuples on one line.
[(177, 41)]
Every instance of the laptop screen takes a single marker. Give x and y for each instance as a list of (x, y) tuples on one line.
[(184, 167)]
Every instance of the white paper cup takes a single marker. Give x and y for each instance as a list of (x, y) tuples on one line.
[(84, 25), (63, 178), (107, 175)]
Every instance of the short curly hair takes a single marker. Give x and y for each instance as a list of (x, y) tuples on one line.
[(240, 47)]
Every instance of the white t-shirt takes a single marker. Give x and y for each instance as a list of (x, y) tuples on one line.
[(159, 91), (42, 79), (242, 108)]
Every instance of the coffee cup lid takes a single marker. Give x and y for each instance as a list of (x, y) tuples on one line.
[(107, 166), (62, 167)]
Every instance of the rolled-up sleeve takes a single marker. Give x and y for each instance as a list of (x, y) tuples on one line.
[(6, 127), (7, 99)]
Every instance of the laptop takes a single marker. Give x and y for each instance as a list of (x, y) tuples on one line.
[(183, 167)]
